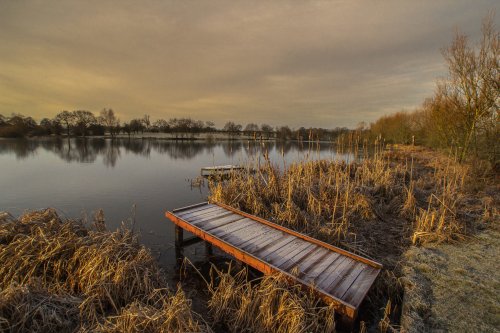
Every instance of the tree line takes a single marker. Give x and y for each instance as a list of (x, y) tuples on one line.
[(85, 123)]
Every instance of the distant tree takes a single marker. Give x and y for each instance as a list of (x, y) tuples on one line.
[(127, 128), (108, 119), (161, 125), (146, 122), (284, 133), (251, 129), (267, 130), (18, 125), (136, 125), (209, 126), (46, 126), (232, 127), (66, 119), (83, 121)]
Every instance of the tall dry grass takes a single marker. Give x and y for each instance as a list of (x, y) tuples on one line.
[(59, 275), (354, 204), (328, 199), (269, 304)]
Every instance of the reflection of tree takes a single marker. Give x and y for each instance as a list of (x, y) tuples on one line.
[(230, 148), (138, 147), (285, 146), (85, 150), (111, 153), (181, 149), (22, 148)]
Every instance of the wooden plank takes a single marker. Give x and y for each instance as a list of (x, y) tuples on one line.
[(213, 220), (240, 234), (340, 288), (292, 254), (212, 223), (316, 270), (247, 233), (357, 291), (259, 233), (264, 251), (262, 243), (225, 229), (315, 258), (210, 215), (295, 256), (334, 273), (299, 259), (305, 237), (190, 207), (188, 215), (284, 250)]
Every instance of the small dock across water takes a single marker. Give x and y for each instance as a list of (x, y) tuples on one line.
[(220, 169), (337, 276)]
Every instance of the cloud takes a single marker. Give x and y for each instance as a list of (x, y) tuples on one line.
[(311, 63)]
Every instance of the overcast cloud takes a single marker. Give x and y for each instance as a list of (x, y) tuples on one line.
[(311, 63)]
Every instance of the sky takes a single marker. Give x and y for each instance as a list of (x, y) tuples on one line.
[(297, 63)]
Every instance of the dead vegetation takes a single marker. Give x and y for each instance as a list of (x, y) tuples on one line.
[(59, 275), (268, 304)]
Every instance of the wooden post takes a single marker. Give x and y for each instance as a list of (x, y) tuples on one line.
[(179, 237)]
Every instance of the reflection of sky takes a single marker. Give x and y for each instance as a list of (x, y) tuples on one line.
[(85, 175)]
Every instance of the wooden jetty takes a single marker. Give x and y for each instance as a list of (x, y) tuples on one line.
[(220, 169), (337, 276)]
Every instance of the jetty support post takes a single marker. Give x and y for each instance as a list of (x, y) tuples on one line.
[(179, 238)]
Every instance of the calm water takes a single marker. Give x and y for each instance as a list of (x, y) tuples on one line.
[(80, 176)]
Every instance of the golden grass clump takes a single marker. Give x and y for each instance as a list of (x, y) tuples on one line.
[(97, 273), (161, 312), (268, 305), (32, 308)]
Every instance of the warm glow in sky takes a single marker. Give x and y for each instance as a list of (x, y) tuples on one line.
[(311, 63)]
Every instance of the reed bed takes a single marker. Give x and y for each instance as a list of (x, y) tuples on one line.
[(357, 204), (59, 275), (268, 304)]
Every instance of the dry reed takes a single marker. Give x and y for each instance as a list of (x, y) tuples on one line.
[(269, 304), (59, 274)]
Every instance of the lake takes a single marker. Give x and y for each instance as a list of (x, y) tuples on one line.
[(128, 178)]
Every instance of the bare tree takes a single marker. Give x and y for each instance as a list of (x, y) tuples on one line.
[(473, 85), (83, 120), (67, 119), (267, 129), (251, 128), (146, 121), (232, 129), (108, 119)]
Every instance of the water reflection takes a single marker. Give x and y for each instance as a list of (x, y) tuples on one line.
[(89, 150)]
